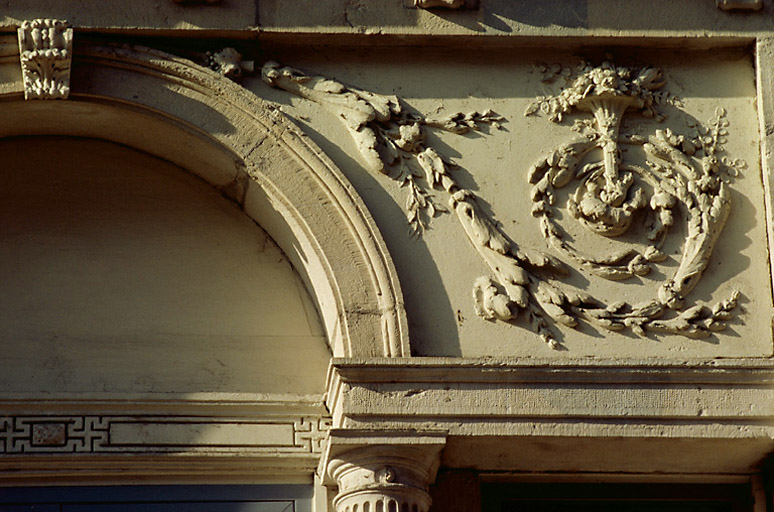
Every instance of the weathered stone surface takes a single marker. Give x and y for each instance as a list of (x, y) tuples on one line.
[(635, 290), (580, 293), (116, 282)]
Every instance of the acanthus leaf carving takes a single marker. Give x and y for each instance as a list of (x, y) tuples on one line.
[(681, 171), (45, 51)]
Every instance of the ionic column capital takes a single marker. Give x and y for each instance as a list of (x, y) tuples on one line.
[(382, 471)]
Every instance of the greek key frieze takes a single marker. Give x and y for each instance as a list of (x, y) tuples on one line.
[(139, 434)]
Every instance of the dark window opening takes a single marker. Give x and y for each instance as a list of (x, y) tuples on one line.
[(581, 497)]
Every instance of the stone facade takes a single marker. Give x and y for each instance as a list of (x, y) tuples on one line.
[(528, 244)]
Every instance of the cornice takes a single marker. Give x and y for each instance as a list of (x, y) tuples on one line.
[(485, 397), (755, 371)]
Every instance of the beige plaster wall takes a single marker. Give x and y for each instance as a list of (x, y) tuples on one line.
[(437, 271), (123, 274), (495, 20), (503, 19)]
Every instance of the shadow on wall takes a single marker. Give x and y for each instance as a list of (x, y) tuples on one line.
[(502, 15), (438, 319), (123, 273), (240, 14), (506, 16)]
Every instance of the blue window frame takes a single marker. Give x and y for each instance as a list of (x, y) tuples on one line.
[(161, 498)]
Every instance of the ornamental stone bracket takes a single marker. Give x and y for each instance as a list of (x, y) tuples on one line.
[(46, 54), (382, 470)]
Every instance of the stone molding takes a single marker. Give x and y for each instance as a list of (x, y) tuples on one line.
[(387, 470), (41, 437), (447, 390), (389, 18), (46, 52), (723, 406), (358, 295), (257, 158), (160, 434), (764, 55), (247, 150)]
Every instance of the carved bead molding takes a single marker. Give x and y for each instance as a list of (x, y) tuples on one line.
[(46, 52), (683, 171), (390, 136), (390, 477), (740, 5)]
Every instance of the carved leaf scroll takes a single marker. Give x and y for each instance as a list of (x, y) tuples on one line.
[(389, 135), (682, 172)]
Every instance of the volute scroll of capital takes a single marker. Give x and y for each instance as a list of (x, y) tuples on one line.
[(383, 478), (639, 193)]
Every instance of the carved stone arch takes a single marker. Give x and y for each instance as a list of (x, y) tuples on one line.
[(187, 114)]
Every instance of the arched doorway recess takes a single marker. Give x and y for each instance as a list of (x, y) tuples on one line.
[(191, 116)]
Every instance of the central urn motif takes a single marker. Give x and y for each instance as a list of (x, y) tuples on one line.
[(680, 172)]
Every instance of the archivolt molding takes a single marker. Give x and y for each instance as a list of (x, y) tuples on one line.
[(685, 172), (192, 116)]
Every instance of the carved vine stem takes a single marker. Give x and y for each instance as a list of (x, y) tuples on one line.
[(392, 140)]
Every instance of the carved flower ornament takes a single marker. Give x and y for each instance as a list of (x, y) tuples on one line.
[(681, 172)]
